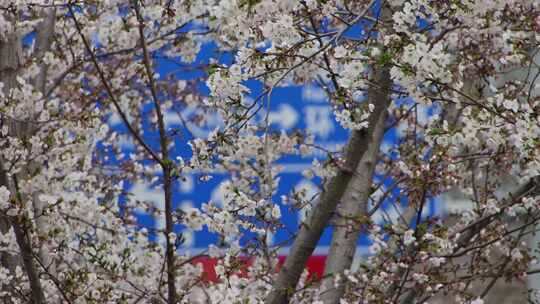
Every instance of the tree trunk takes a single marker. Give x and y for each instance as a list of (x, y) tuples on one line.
[(354, 204), (43, 43), (311, 231), (10, 63)]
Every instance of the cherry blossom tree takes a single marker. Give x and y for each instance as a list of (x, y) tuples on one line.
[(438, 73)]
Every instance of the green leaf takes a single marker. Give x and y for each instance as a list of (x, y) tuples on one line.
[(422, 229), (249, 3), (436, 131), (211, 70), (49, 140), (168, 163), (384, 59)]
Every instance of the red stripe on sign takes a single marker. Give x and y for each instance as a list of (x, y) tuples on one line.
[(315, 267)]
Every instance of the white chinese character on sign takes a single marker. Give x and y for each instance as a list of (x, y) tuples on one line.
[(217, 196), (186, 183), (319, 120), (314, 94)]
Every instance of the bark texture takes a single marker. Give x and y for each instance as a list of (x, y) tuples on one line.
[(44, 37), (10, 63), (354, 203), (311, 231)]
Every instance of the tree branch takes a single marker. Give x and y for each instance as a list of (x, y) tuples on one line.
[(109, 91), (166, 164)]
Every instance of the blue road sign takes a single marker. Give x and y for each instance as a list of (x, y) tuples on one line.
[(292, 108)]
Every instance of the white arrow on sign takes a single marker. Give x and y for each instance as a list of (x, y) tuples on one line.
[(314, 94), (285, 116)]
